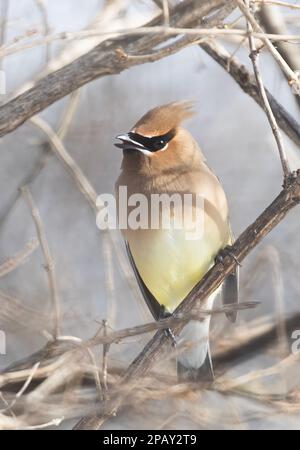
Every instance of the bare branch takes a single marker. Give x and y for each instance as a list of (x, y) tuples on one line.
[(19, 259), (271, 118), (151, 31), (43, 11), (274, 22), (277, 3), (4, 15), (104, 59), (248, 83), (57, 145), (48, 257), (291, 75)]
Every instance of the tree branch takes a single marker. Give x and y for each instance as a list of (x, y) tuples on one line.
[(50, 267), (290, 74), (273, 22), (104, 59), (267, 107), (248, 83)]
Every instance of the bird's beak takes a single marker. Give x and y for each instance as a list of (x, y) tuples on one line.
[(128, 143)]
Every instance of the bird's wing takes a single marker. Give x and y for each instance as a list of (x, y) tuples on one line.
[(230, 291), (153, 305)]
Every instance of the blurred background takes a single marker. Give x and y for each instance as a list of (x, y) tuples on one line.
[(94, 280)]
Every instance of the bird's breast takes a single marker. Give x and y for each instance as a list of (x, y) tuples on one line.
[(172, 259)]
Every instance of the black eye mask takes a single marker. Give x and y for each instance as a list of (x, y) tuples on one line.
[(155, 143)]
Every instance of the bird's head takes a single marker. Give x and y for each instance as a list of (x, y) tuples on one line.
[(157, 130)]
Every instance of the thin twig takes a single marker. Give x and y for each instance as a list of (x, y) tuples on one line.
[(43, 11), (248, 83), (24, 387), (278, 3), (104, 360), (254, 55), (166, 12), (4, 17), (66, 158), (20, 258), (63, 128), (105, 59), (293, 78), (51, 423), (11, 49), (48, 257), (274, 22)]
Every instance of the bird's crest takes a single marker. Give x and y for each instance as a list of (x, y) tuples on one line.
[(162, 119)]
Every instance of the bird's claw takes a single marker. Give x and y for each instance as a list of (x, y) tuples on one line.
[(227, 251), (169, 333)]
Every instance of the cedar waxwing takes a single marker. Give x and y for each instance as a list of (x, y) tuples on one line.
[(160, 157)]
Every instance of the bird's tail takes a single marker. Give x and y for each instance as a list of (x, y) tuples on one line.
[(194, 363)]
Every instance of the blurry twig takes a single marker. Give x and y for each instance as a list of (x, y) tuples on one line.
[(105, 59), (65, 345), (111, 60), (154, 31), (242, 346), (104, 19), (16, 315), (277, 284), (253, 339), (248, 83), (104, 360), (277, 3), (48, 257), (4, 6), (63, 127), (292, 77), (271, 118), (57, 145), (165, 5), (19, 259), (273, 22), (23, 388), (43, 10)]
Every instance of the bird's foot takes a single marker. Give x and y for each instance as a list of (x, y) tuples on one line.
[(170, 335), (168, 332), (227, 251)]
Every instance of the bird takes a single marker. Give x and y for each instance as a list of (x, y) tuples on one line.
[(161, 157)]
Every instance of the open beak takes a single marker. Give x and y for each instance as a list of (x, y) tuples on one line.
[(127, 143)]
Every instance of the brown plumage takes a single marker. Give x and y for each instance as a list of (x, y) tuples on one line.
[(162, 119), (161, 157)]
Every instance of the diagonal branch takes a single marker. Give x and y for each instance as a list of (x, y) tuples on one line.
[(248, 240), (267, 107), (274, 22), (105, 59), (290, 74), (50, 268), (248, 83)]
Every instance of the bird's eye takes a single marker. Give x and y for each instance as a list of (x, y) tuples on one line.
[(157, 144), (153, 144)]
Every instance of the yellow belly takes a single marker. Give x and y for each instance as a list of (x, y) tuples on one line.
[(170, 264)]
